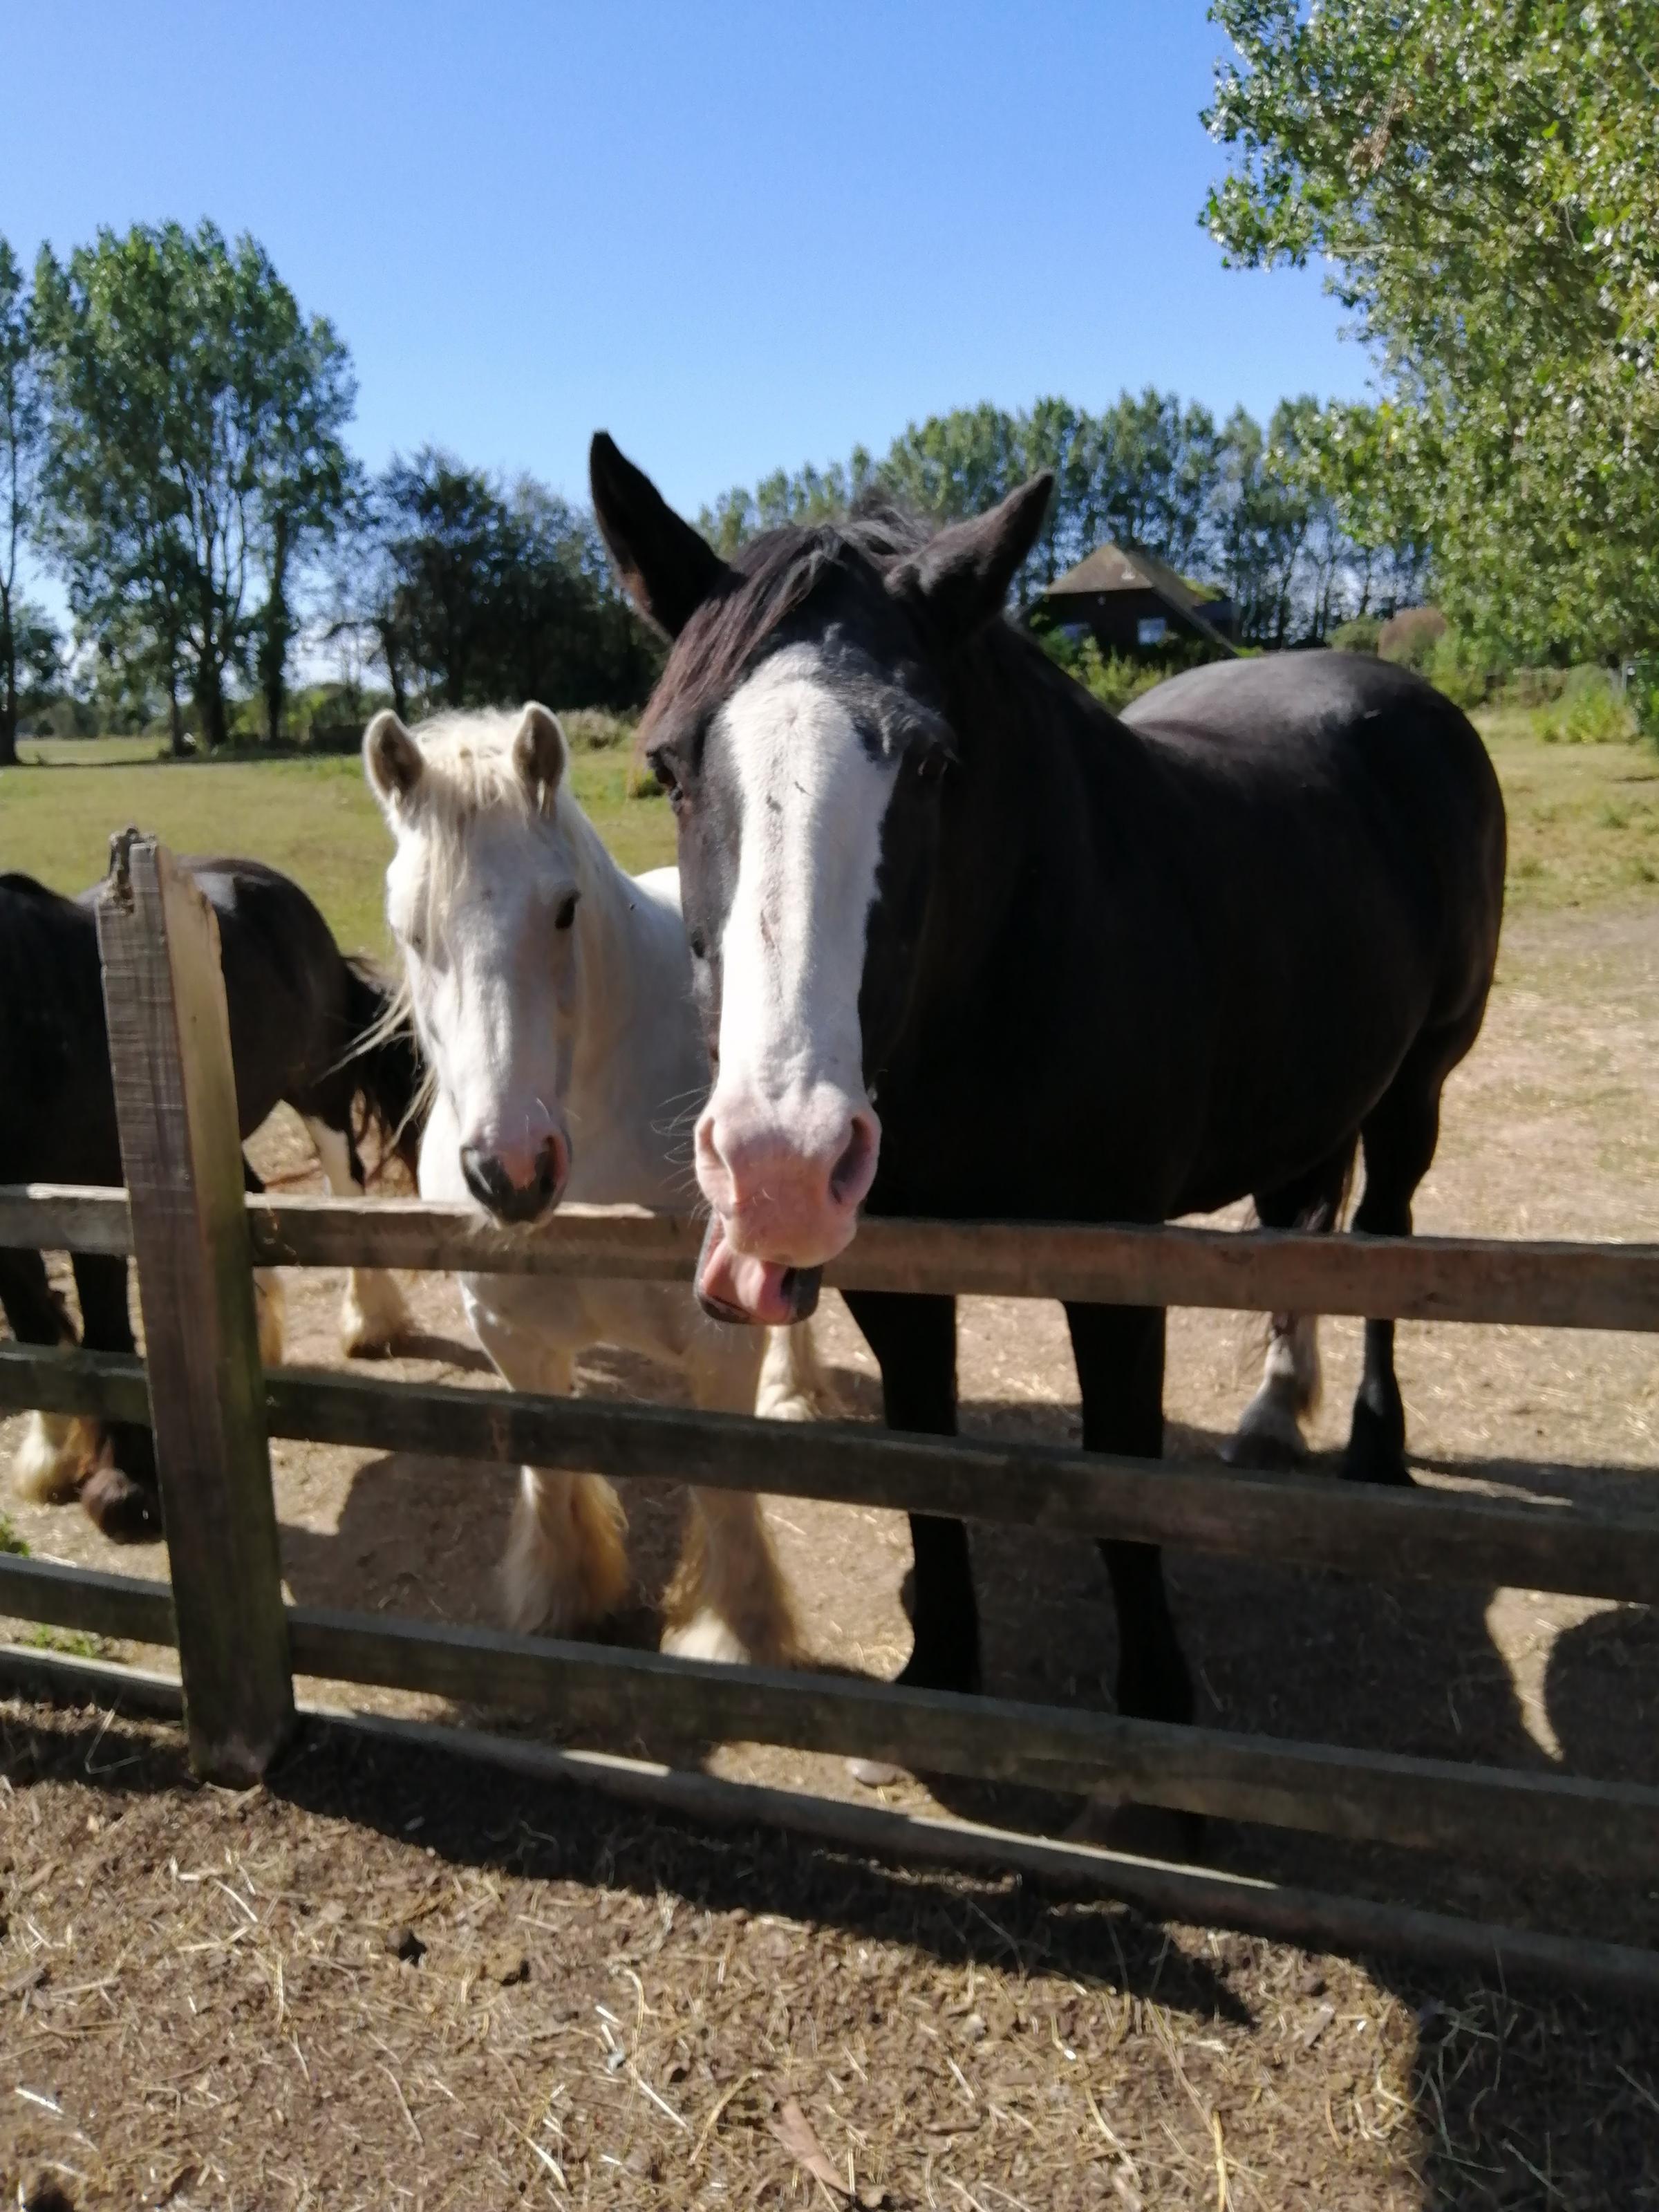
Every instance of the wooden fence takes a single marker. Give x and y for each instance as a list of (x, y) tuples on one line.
[(197, 1239)]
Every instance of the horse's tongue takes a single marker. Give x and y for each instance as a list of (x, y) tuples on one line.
[(733, 1287)]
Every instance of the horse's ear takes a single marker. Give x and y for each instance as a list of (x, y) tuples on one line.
[(540, 755), (960, 578), (391, 759), (666, 568)]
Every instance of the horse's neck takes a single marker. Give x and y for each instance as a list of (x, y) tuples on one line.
[(637, 1045)]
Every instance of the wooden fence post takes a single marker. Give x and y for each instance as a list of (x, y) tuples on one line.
[(175, 1097)]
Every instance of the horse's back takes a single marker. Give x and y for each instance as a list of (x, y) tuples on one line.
[(56, 1105), (1339, 843)]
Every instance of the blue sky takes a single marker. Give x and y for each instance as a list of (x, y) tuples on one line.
[(738, 236)]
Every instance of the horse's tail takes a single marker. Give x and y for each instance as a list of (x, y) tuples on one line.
[(389, 1076)]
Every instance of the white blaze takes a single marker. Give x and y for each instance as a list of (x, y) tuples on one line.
[(814, 801)]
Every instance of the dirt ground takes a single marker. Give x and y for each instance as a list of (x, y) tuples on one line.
[(964, 2044)]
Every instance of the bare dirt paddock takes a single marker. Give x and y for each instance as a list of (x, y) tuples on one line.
[(390, 1979)]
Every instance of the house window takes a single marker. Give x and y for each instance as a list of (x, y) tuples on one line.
[(1151, 629)]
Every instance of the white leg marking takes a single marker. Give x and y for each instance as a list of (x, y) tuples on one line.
[(1271, 1429), (793, 1384), (727, 1600), (373, 1312), (567, 1557), (55, 1451)]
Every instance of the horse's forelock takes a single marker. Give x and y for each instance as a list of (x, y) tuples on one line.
[(768, 580)]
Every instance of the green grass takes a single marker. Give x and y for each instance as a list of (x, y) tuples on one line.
[(1583, 819), (314, 819)]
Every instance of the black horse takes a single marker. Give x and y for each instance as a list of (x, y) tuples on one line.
[(307, 1025), (1087, 969)]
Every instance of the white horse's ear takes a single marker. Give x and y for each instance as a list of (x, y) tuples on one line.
[(540, 755), (391, 761)]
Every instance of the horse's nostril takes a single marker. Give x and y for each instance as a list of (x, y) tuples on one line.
[(850, 1176)]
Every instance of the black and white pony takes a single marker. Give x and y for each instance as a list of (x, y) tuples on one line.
[(1083, 969), (307, 1025)]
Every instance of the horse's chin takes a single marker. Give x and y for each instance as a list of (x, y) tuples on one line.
[(734, 1286)]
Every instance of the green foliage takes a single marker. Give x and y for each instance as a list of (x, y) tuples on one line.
[(1483, 178), (194, 421), (1360, 636), (1592, 710), (1410, 637), (1286, 521), (1641, 695), (595, 730), (475, 593), (1457, 666), (11, 1543)]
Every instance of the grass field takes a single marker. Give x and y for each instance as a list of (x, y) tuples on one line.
[(312, 818), (1583, 819)]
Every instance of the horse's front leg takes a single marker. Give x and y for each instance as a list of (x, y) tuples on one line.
[(55, 1449), (566, 1563), (121, 1495), (1120, 1370), (728, 1599), (915, 1342), (374, 1314)]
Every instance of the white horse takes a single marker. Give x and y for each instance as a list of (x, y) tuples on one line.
[(552, 996)]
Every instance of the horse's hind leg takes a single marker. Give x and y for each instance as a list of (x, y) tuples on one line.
[(1269, 1432), (728, 1599), (55, 1448), (373, 1314), (1399, 1140)]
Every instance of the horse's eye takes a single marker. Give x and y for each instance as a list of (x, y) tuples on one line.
[(663, 769), (699, 945), (932, 764), (567, 913)]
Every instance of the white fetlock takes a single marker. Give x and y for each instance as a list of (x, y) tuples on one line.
[(706, 1636), (566, 1566), (1268, 1432), (373, 1314), (792, 1386), (271, 1307), (54, 1452)]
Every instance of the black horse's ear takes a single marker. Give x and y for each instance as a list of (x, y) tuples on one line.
[(539, 756), (392, 759), (960, 578), (666, 568)]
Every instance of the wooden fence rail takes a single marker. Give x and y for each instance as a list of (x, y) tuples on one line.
[(1460, 1279), (1305, 1521), (196, 1240)]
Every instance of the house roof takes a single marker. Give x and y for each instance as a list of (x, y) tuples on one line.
[(1112, 569)]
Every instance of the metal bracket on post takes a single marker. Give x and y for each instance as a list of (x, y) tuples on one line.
[(175, 1097)]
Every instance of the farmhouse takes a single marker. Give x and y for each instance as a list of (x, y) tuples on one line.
[(1132, 602)]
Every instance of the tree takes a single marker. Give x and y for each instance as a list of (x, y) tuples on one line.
[(1483, 177), (193, 445), (22, 438), (480, 594), (1299, 523)]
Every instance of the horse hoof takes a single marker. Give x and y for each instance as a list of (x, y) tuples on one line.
[(942, 1670), (119, 1509), (1143, 1831), (1265, 1451), (1391, 1473)]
